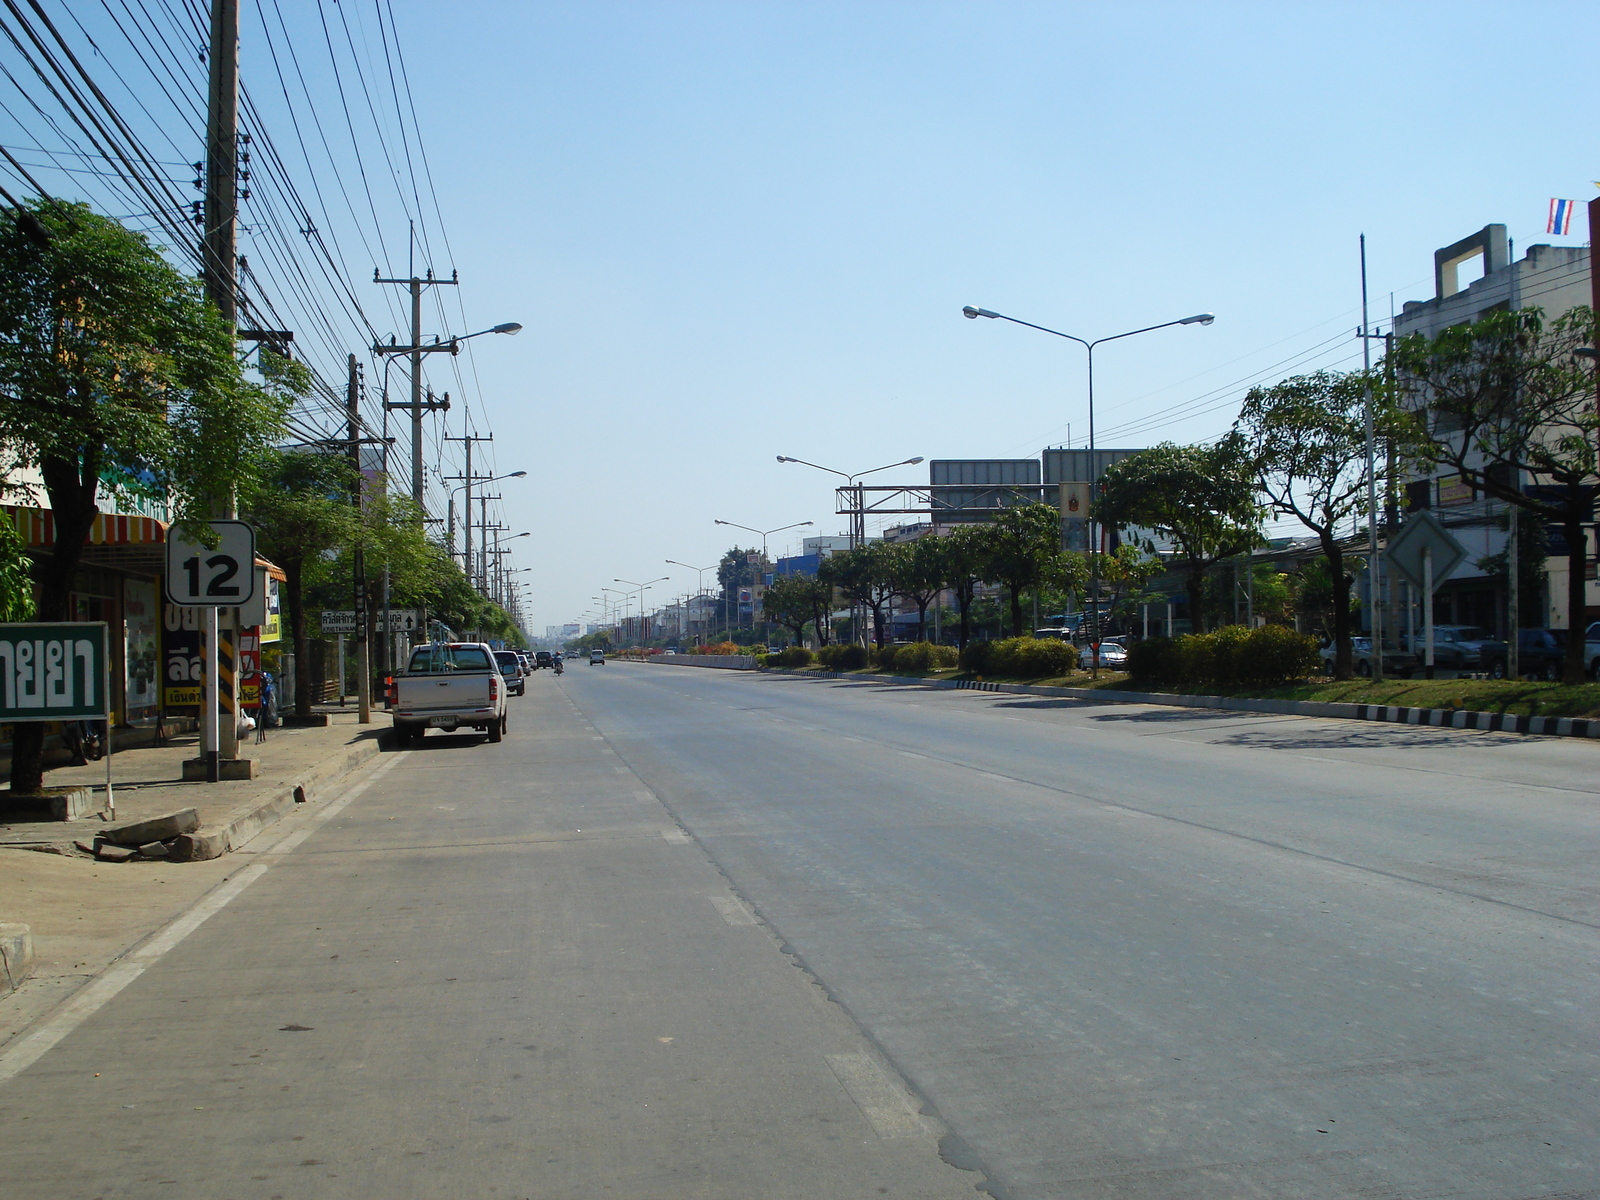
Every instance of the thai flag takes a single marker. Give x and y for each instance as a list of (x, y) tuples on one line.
[(1560, 216)]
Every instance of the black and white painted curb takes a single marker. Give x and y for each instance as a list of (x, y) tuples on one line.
[(1443, 718)]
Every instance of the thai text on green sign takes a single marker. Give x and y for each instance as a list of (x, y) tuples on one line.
[(53, 672)]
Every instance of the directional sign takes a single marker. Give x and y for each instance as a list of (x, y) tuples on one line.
[(343, 620), (1422, 531), (199, 576), (53, 672)]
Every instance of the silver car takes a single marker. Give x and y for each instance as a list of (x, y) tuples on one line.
[(1113, 654)]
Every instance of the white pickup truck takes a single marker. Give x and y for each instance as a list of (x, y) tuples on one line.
[(449, 685)]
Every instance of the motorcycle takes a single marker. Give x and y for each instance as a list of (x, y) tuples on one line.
[(558, 666)]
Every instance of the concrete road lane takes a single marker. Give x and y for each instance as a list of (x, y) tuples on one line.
[(1135, 952), (499, 971)]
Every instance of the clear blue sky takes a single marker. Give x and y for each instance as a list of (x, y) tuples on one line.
[(734, 231), (740, 230)]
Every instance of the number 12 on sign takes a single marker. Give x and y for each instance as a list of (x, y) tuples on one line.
[(221, 577)]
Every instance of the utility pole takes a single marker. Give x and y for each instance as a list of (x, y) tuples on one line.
[(484, 530), (217, 251), (417, 405), (358, 497), (469, 479), (1374, 599)]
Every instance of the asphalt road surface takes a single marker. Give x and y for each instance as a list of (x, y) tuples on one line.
[(695, 933)]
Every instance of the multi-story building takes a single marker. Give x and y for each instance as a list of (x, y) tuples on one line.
[(1554, 279)]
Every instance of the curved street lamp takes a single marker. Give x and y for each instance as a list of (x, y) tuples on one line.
[(467, 487), (858, 519), (1205, 318)]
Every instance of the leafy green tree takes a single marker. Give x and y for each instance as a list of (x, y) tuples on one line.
[(16, 579), (113, 367), (1306, 442), (965, 550), (919, 571), (1201, 497), (1505, 404), (1023, 547), (795, 601), (301, 511), (864, 576)]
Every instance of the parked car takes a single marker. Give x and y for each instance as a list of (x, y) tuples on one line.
[(597, 658), (1468, 648), (510, 664), (1113, 654), (447, 685), (1541, 653), (1398, 663)]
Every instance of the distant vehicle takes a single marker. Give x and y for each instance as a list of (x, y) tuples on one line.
[(1464, 648), (527, 661), (1397, 662), (541, 658), (447, 685), (1591, 649), (667, 653), (1113, 654), (597, 657), (510, 663), (1541, 653)]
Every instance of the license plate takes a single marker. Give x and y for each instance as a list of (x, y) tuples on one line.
[(441, 723)]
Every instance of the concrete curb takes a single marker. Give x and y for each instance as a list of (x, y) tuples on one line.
[(246, 820), (1444, 718)]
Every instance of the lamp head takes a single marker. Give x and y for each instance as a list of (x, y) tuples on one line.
[(716, 522), (972, 314), (781, 458), (511, 327), (1588, 352), (516, 475), (1199, 319), (911, 462)]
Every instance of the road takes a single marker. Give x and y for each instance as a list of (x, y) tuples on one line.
[(1059, 949)]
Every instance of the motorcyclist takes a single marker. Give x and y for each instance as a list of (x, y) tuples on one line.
[(555, 661)]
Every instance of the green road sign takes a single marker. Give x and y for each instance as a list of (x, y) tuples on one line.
[(53, 672)]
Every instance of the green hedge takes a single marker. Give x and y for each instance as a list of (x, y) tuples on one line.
[(1232, 656), (917, 656), (1021, 658), (846, 657)]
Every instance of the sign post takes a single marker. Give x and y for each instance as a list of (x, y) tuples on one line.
[(1424, 552), (57, 672), (199, 576)]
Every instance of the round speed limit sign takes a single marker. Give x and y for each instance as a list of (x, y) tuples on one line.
[(202, 576)]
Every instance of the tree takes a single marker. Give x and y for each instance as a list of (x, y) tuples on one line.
[(1505, 404), (965, 550), (116, 373), (1024, 551), (1202, 497), (16, 581), (736, 571), (918, 570), (864, 575), (795, 601), (1306, 442), (301, 512)]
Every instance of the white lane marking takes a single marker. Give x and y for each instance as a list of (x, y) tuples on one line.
[(675, 837), (910, 754), (29, 1048), (1316, 758), (646, 796), (597, 738), (622, 770), (1128, 812), (887, 1106), (733, 912), (1001, 778), (848, 738)]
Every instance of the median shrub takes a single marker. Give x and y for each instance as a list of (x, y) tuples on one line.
[(1031, 658), (914, 656), (719, 648), (975, 657), (846, 657), (1233, 656), (794, 656)]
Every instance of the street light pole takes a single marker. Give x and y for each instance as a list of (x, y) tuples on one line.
[(973, 314), (700, 576), (858, 518), (764, 559), (643, 587)]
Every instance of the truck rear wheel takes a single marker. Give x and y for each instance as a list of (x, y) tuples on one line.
[(497, 730)]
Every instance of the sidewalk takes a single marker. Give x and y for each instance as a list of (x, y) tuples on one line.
[(82, 913)]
